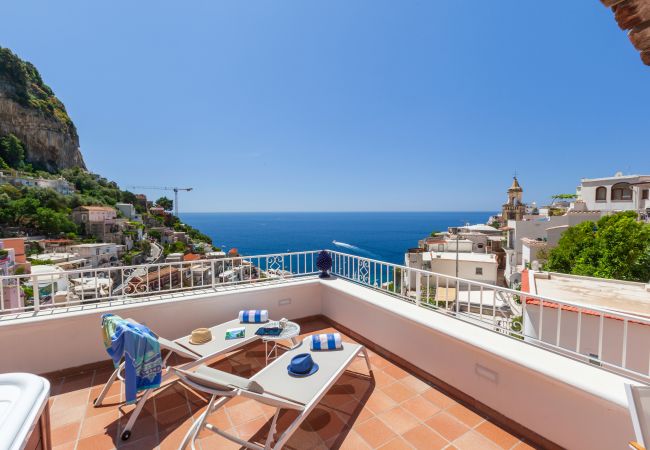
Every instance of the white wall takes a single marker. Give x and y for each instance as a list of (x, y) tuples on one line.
[(529, 253), (588, 195), (568, 402), (466, 269), (536, 229), (51, 343)]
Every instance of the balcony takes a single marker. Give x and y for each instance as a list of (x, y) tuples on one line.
[(452, 368)]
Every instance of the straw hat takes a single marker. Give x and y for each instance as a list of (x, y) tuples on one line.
[(201, 336)]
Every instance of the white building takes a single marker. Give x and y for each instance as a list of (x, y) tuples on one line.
[(471, 266), (174, 257), (51, 281), (60, 185), (215, 255), (537, 229), (65, 260), (617, 193), (128, 211), (99, 254), (445, 244), (530, 248), (615, 295)]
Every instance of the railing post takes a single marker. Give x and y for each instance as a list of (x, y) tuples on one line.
[(37, 300), (524, 301), (418, 288)]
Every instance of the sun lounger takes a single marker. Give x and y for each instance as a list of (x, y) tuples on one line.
[(198, 354), (638, 398), (272, 386)]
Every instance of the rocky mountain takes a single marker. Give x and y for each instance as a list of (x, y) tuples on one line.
[(30, 110)]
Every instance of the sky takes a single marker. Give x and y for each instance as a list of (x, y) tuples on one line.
[(343, 105)]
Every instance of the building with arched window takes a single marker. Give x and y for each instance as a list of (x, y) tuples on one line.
[(617, 193)]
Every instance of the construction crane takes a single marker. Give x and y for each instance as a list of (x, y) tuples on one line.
[(165, 188)]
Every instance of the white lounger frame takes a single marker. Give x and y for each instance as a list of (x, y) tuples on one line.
[(634, 405), (171, 347), (266, 398)]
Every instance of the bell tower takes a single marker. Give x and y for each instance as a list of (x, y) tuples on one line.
[(514, 208)]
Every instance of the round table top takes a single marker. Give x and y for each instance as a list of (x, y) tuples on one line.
[(292, 329)]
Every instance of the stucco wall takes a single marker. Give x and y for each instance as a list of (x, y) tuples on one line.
[(568, 402), (47, 344)]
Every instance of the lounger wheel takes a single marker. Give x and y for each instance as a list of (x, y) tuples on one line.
[(126, 435)]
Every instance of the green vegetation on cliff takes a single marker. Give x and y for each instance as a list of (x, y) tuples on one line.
[(45, 211), (28, 87), (37, 210)]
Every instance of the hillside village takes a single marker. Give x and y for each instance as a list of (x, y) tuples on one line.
[(591, 248), (524, 235)]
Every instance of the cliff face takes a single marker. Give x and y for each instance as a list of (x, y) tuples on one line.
[(30, 110)]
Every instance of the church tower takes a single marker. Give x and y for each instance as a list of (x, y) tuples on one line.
[(514, 208)]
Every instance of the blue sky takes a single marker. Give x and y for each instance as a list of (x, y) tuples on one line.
[(343, 105)]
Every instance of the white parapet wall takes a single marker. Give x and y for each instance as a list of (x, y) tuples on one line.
[(54, 342), (568, 402)]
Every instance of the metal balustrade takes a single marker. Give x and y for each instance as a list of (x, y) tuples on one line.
[(533, 319), (541, 321), (36, 292)]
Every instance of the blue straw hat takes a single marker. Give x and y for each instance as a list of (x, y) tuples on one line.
[(302, 365)]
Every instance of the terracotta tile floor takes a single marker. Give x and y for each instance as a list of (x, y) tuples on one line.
[(391, 410)]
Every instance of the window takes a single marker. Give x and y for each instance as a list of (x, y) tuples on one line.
[(644, 194), (601, 194), (621, 191), (479, 271)]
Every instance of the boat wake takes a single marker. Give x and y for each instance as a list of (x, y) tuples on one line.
[(353, 248)]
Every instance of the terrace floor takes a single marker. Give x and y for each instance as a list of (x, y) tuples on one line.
[(392, 410)]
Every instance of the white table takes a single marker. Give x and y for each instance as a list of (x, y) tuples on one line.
[(290, 332)]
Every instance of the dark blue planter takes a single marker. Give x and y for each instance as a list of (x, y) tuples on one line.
[(324, 264)]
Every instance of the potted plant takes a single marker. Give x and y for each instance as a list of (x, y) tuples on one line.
[(324, 263)]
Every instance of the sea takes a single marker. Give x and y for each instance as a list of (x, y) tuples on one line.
[(379, 235)]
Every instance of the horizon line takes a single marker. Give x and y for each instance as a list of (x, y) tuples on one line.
[(327, 211)]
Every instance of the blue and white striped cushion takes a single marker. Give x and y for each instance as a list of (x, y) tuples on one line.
[(254, 316), (326, 341)]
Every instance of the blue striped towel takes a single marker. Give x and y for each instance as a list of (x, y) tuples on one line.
[(254, 316), (326, 341)]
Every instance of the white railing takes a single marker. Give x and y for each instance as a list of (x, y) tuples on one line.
[(55, 290), (612, 340)]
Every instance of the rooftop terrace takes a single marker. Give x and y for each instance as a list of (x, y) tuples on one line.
[(393, 409), (452, 374)]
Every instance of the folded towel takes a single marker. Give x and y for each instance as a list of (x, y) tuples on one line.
[(254, 316), (268, 331), (329, 341)]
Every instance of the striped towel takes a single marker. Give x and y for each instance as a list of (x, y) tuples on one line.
[(329, 341), (254, 316)]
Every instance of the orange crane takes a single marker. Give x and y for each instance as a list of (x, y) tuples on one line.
[(165, 188)]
